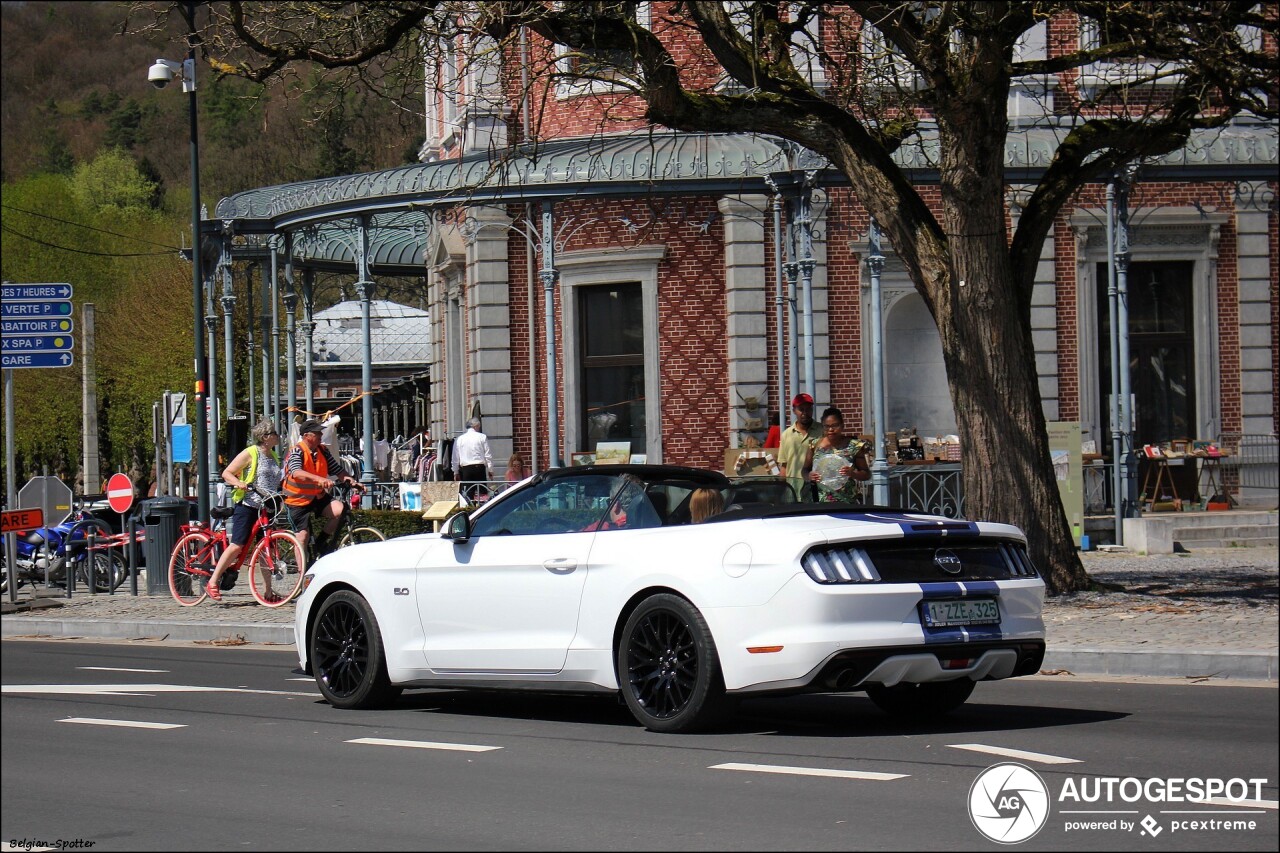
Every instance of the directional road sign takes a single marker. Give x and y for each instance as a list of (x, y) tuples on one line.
[(34, 292), (36, 343), (36, 322), (18, 360), (35, 309), (45, 326)]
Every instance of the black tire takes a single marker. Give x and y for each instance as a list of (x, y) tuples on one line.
[(921, 701), (347, 655), (108, 566), (668, 667)]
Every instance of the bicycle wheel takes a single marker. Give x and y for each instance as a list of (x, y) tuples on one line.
[(277, 567), (190, 568), (360, 535)]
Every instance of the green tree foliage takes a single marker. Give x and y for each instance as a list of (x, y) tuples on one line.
[(142, 304), (112, 183), (96, 167), (124, 125)]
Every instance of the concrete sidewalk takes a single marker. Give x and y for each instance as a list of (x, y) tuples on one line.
[(1210, 613)]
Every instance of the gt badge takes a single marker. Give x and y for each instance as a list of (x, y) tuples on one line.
[(947, 562)]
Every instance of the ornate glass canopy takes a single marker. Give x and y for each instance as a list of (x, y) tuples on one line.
[(396, 204)]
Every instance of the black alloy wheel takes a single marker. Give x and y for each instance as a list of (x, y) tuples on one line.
[(921, 701), (668, 667), (347, 655)]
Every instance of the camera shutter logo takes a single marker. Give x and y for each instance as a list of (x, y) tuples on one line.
[(1008, 803)]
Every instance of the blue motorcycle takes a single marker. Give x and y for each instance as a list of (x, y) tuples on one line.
[(46, 553)]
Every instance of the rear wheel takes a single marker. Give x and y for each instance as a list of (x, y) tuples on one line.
[(190, 568), (921, 701), (360, 535), (347, 654), (277, 567), (108, 567), (668, 667)]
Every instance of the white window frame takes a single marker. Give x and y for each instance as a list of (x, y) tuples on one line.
[(1168, 234), (602, 266), (568, 86)]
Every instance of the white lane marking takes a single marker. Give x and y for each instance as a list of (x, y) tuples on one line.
[(119, 669), (300, 679), (423, 744), (125, 724), (811, 771), (1041, 757), (136, 689), (1246, 804)]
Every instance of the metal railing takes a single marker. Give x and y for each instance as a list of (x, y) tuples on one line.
[(1250, 470), (386, 495), (937, 488)]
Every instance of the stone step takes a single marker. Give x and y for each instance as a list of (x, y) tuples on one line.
[(1156, 532), (1185, 520), (1218, 544), (1229, 531)]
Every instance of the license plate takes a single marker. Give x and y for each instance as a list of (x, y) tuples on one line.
[(944, 613)]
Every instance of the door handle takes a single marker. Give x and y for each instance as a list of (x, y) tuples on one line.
[(560, 565)]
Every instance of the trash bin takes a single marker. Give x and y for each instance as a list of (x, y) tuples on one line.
[(162, 519)]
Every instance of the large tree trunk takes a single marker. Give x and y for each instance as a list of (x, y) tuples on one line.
[(1008, 475), (983, 317)]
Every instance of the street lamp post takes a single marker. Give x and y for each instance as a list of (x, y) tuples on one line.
[(160, 75)]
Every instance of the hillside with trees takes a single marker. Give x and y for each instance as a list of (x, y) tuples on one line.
[(96, 170)]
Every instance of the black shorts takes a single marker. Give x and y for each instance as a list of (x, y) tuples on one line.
[(242, 521), (300, 516)]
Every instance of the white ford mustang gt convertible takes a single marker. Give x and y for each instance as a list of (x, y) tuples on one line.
[(596, 580)]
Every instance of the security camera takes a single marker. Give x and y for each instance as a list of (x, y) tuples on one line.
[(160, 74)]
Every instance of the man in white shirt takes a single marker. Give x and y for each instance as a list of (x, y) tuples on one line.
[(472, 460)]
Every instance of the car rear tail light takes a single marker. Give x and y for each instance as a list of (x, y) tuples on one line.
[(1020, 564), (839, 565)]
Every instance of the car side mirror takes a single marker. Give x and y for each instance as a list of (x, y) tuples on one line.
[(458, 528)]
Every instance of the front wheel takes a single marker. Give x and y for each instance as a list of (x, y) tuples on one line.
[(921, 701), (360, 535), (190, 568), (347, 654), (277, 568), (668, 667)]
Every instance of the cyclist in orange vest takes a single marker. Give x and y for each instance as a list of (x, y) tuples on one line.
[(310, 472)]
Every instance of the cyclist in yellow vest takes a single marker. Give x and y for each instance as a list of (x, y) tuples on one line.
[(259, 465), (309, 474)]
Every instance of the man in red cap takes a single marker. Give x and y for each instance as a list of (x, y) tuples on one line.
[(803, 433)]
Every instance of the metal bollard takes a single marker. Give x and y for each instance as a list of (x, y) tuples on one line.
[(91, 539), (111, 569), (70, 578), (133, 555)]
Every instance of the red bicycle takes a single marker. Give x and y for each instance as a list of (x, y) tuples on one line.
[(276, 566)]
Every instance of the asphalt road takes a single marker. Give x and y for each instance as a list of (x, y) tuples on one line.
[(146, 747)]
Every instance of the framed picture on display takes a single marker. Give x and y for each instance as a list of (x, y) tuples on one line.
[(613, 452), (576, 459)]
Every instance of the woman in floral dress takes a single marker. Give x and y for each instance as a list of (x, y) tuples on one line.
[(845, 484)]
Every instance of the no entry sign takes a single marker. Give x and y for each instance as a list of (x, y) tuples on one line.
[(120, 493)]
